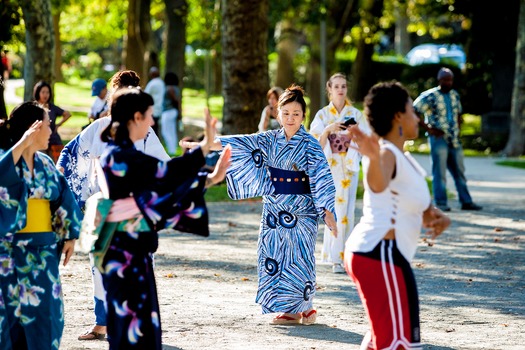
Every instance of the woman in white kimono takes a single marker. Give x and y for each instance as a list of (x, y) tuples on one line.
[(330, 128)]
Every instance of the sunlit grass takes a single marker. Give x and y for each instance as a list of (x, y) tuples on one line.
[(194, 102), (514, 163)]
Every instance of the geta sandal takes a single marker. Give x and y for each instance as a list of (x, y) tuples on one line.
[(309, 317), (285, 319)]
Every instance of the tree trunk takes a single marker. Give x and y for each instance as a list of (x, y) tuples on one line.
[(58, 48), (134, 45), (40, 44), (175, 41), (287, 39), (216, 71), (402, 39), (245, 63), (362, 69), (313, 82), (151, 55), (516, 143), (3, 110)]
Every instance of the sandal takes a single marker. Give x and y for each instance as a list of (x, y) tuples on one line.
[(92, 335), (309, 317), (285, 319)]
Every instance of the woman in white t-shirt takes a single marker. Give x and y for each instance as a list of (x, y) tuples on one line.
[(396, 205)]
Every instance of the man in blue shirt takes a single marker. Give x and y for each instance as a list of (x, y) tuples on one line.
[(440, 108)]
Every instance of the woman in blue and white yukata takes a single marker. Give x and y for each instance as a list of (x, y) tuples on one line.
[(39, 220), (289, 169)]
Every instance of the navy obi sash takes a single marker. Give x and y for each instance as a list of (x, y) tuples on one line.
[(290, 182)]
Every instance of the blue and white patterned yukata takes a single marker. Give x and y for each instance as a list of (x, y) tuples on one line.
[(289, 223)]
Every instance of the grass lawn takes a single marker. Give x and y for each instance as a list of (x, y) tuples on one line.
[(515, 163)]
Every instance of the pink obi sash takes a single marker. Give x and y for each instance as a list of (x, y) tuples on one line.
[(339, 143)]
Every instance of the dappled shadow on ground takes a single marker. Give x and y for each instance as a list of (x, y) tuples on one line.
[(323, 332), (476, 263), (169, 347)]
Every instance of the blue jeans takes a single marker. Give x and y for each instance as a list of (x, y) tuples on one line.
[(444, 157)]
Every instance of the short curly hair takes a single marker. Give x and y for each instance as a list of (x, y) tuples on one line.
[(382, 102)]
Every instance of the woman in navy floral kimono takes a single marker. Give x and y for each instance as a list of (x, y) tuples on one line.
[(288, 168), (149, 194), (39, 219)]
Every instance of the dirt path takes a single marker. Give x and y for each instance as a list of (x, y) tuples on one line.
[(471, 282)]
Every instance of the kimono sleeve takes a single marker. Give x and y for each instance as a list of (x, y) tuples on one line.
[(12, 194), (153, 147), (317, 128), (66, 214), (247, 176), (321, 181)]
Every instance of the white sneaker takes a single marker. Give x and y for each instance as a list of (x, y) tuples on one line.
[(338, 268)]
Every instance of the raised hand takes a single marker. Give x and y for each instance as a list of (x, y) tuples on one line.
[(368, 144), (220, 168), (26, 140)]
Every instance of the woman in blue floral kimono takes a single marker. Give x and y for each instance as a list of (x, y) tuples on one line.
[(288, 168), (39, 220), (149, 194)]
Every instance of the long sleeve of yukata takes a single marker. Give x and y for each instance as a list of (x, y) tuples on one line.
[(78, 157), (251, 154), (11, 194), (170, 194), (47, 184), (321, 182), (248, 177)]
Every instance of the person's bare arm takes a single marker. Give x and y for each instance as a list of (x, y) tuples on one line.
[(68, 250), (65, 116), (219, 173), (382, 162)]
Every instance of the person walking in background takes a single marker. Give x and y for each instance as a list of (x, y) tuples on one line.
[(40, 221), (288, 169), (154, 193), (6, 63), (440, 111), (156, 88), (269, 114), (396, 204), (99, 108), (43, 94), (77, 161), (171, 112), (330, 128)]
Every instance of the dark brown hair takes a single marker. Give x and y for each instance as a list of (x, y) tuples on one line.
[(382, 103), (276, 91), (124, 78), (20, 119), (38, 87), (294, 93), (124, 103)]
